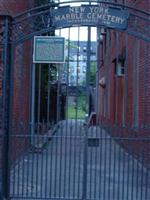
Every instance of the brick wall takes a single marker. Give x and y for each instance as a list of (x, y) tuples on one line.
[(21, 78), (137, 78), (141, 4), (14, 7), (21, 83), (21, 98), (11, 7), (125, 101)]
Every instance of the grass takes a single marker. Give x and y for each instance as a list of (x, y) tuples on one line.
[(74, 113), (78, 109)]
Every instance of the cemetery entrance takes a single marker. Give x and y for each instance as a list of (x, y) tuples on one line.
[(58, 140)]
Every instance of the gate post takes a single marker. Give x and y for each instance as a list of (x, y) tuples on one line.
[(5, 33)]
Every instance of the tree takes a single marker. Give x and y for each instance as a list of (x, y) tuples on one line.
[(93, 73)]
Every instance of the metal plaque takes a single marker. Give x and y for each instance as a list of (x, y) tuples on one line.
[(89, 15), (49, 49)]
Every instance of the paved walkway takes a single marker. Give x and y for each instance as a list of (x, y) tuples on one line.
[(74, 167)]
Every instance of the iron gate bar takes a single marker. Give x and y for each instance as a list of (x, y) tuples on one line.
[(61, 140), (106, 71), (146, 57), (6, 119), (100, 138), (97, 76), (76, 112), (77, 105), (66, 108), (67, 105), (125, 97), (22, 198)]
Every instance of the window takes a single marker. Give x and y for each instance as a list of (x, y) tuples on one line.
[(84, 49), (78, 69), (72, 77), (119, 68), (84, 69)]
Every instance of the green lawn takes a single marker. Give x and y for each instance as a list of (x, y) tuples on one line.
[(77, 110), (74, 113)]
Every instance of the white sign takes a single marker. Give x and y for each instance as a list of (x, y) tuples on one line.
[(49, 49)]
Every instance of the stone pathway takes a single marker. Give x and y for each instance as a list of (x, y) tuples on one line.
[(80, 163)]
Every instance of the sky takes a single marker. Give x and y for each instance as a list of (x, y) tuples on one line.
[(77, 33), (74, 30)]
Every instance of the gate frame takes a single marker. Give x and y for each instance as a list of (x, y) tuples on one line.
[(6, 104), (9, 42)]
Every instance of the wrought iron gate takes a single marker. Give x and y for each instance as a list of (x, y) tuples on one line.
[(60, 137)]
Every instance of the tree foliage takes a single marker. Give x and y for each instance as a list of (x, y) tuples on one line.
[(93, 73)]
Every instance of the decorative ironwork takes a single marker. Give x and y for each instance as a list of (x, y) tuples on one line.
[(39, 20)]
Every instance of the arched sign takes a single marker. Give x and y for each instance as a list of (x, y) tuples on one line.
[(89, 15), (49, 17)]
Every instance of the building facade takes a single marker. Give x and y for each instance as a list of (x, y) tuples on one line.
[(78, 62), (123, 84)]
